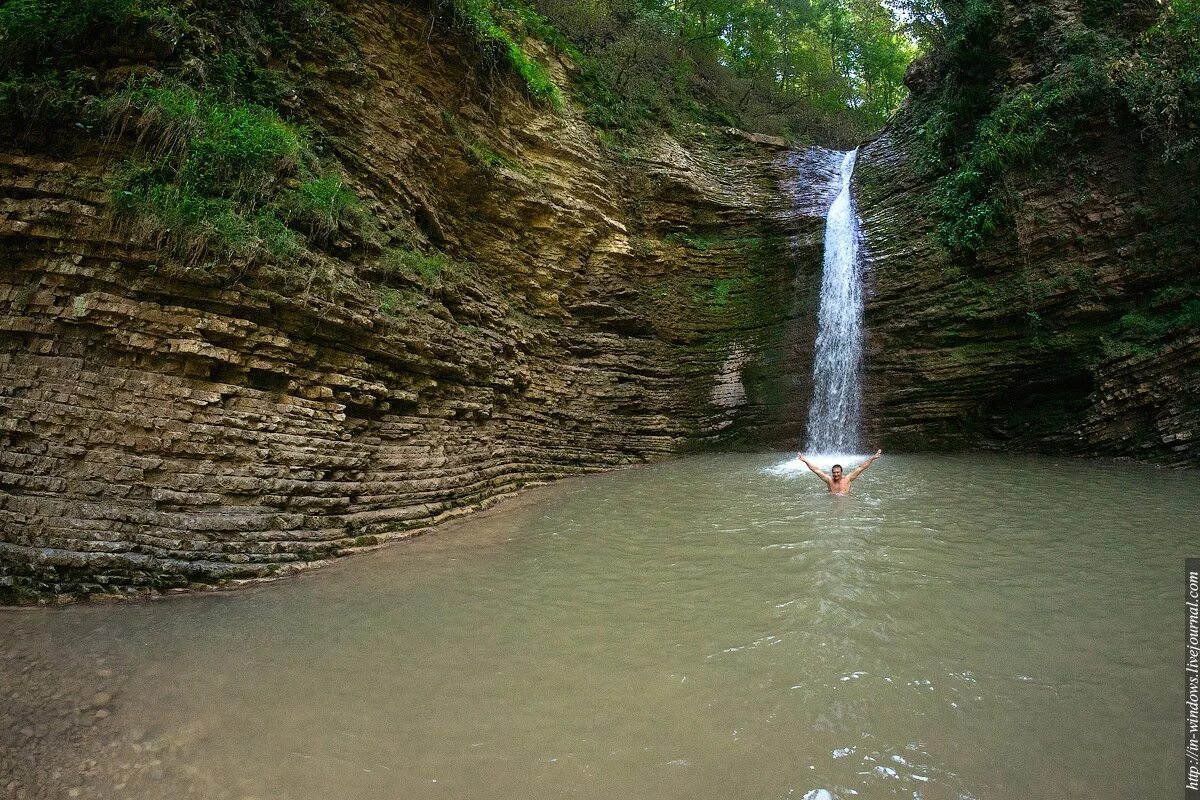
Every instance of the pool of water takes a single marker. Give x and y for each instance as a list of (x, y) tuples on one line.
[(714, 627)]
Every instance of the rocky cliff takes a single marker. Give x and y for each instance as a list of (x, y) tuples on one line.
[(166, 424), (1025, 343), (163, 426)]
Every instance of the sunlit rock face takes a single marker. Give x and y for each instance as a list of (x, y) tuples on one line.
[(163, 428), (1011, 348)]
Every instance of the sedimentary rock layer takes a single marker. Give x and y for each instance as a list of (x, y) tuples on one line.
[(1013, 346), (164, 427)]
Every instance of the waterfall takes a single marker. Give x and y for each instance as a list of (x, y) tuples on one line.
[(835, 414)]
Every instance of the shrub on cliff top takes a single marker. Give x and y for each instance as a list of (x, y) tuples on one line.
[(211, 167), (483, 19), (1025, 127), (976, 131), (1161, 80)]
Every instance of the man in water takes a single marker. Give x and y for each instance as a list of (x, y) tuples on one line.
[(837, 482)]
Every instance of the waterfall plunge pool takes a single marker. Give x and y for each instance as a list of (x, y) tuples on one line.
[(714, 627)]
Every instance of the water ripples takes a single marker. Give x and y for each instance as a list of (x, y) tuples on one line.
[(959, 627)]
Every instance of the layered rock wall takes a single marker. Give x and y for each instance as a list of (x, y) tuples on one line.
[(1014, 346), (165, 427)]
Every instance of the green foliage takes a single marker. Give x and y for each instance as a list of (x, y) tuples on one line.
[(190, 225), (212, 146), (831, 70), (976, 131), (701, 243), (479, 152), (321, 206), (411, 278), (398, 302), (212, 176), (721, 290), (50, 97), (32, 31), (429, 270), (485, 157), (704, 243), (483, 19), (235, 75), (1145, 331), (212, 169), (1161, 80), (1019, 131), (44, 44), (967, 62)]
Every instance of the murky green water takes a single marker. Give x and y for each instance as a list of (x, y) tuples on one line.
[(960, 627)]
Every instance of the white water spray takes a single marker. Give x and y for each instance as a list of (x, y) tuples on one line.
[(835, 414)]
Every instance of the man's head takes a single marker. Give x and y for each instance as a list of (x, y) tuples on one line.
[(836, 472)]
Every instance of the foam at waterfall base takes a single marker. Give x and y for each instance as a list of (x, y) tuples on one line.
[(823, 461)]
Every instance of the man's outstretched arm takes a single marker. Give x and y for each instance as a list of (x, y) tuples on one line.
[(861, 467), (828, 480)]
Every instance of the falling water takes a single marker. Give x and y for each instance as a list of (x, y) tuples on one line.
[(835, 414)]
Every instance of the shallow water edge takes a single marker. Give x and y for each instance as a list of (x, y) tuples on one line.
[(11, 600)]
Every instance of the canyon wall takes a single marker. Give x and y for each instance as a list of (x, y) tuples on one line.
[(163, 426), (1017, 346), (166, 424)]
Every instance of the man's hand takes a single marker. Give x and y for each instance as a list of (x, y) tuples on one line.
[(813, 469), (854, 473)]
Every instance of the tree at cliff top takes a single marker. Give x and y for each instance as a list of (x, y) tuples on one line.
[(829, 69), (1006, 87)]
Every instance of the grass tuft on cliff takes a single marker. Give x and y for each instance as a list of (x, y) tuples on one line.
[(482, 19), (34, 31), (211, 166), (1173, 312), (215, 177)]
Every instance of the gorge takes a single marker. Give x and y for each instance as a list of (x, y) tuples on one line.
[(168, 424), (568, 282)]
